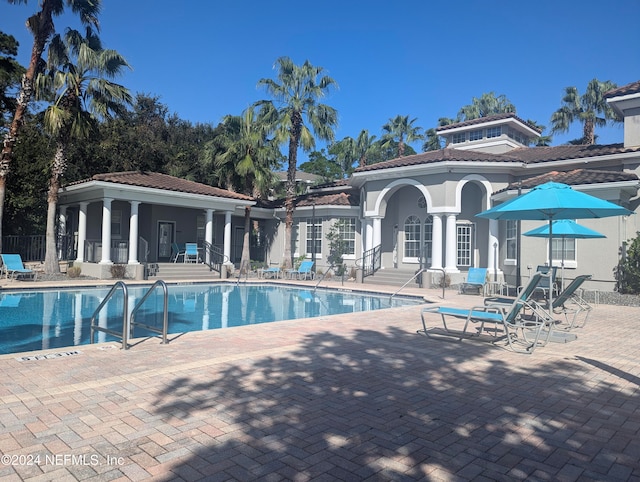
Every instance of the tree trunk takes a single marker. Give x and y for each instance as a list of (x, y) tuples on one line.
[(51, 264), (589, 133), (42, 27), (296, 126), (245, 260)]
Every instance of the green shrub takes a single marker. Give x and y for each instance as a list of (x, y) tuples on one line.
[(627, 273)]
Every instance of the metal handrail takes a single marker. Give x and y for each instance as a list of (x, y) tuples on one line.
[(419, 272), (371, 261), (322, 276), (214, 257), (165, 318), (125, 326)]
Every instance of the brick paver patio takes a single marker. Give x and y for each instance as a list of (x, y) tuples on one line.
[(351, 397)]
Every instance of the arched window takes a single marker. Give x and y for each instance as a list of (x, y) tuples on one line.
[(412, 237)]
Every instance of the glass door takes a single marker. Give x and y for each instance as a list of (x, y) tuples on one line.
[(165, 238)]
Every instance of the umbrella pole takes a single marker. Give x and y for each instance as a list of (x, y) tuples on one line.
[(550, 297), (564, 240)]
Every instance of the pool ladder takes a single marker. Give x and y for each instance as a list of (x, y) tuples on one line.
[(128, 322)]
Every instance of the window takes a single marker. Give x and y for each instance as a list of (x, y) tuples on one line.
[(475, 135), (566, 245), (465, 244), (116, 223), (347, 230), (428, 239), (314, 239), (459, 138), (494, 131), (412, 237), (512, 239)]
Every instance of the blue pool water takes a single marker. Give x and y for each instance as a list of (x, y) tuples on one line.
[(43, 319)]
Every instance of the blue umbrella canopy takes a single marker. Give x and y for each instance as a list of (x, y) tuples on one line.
[(552, 201), (565, 228)]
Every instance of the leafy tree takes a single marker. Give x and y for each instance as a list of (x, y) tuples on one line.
[(296, 95), (41, 27), (249, 158), (344, 155), (76, 80), (10, 73), (337, 246), (401, 130), (382, 150), (590, 109), (627, 273), (322, 166)]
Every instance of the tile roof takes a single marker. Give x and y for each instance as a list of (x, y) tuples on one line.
[(447, 154), (156, 180), (527, 155), (348, 197), (532, 155), (489, 118), (632, 88), (574, 177)]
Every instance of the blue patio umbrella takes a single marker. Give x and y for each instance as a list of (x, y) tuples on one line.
[(565, 229), (552, 201)]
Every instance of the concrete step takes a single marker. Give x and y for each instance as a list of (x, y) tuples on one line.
[(173, 271), (392, 277)]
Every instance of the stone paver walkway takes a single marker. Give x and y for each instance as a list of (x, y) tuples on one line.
[(351, 397)]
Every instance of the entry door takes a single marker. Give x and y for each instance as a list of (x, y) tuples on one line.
[(165, 238)]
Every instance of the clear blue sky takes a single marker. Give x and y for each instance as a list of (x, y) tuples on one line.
[(410, 57)]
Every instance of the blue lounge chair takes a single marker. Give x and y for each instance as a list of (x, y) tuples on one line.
[(191, 253), (13, 266), (303, 272), (569, 302), (176, 252), (522, 334), (273, 272), (547, 282), (476, 279)]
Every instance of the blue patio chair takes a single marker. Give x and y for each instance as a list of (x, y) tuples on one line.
[(547, 282), (476, 280), (191, 253), (569, 302), (303, 272), (176, 252), (273, 272), (13, 266), (522, 334)]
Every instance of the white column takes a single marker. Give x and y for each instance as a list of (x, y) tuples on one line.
[(106, 231), (451, 245), (367, 236), (208, 231), (436, 242), (133, 233), (227, 235), (377, 232), (62, 225), (493, 247), (82, 231)]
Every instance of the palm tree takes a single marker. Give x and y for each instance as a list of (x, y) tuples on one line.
[(401, 130), (248, 158), (590, 109), (296, 95), (365, 144), (432, 141), (345, 154), (487, 104), (42, 28), (81, 93)]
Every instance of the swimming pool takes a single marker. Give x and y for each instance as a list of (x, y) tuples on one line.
[(43, 319)]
